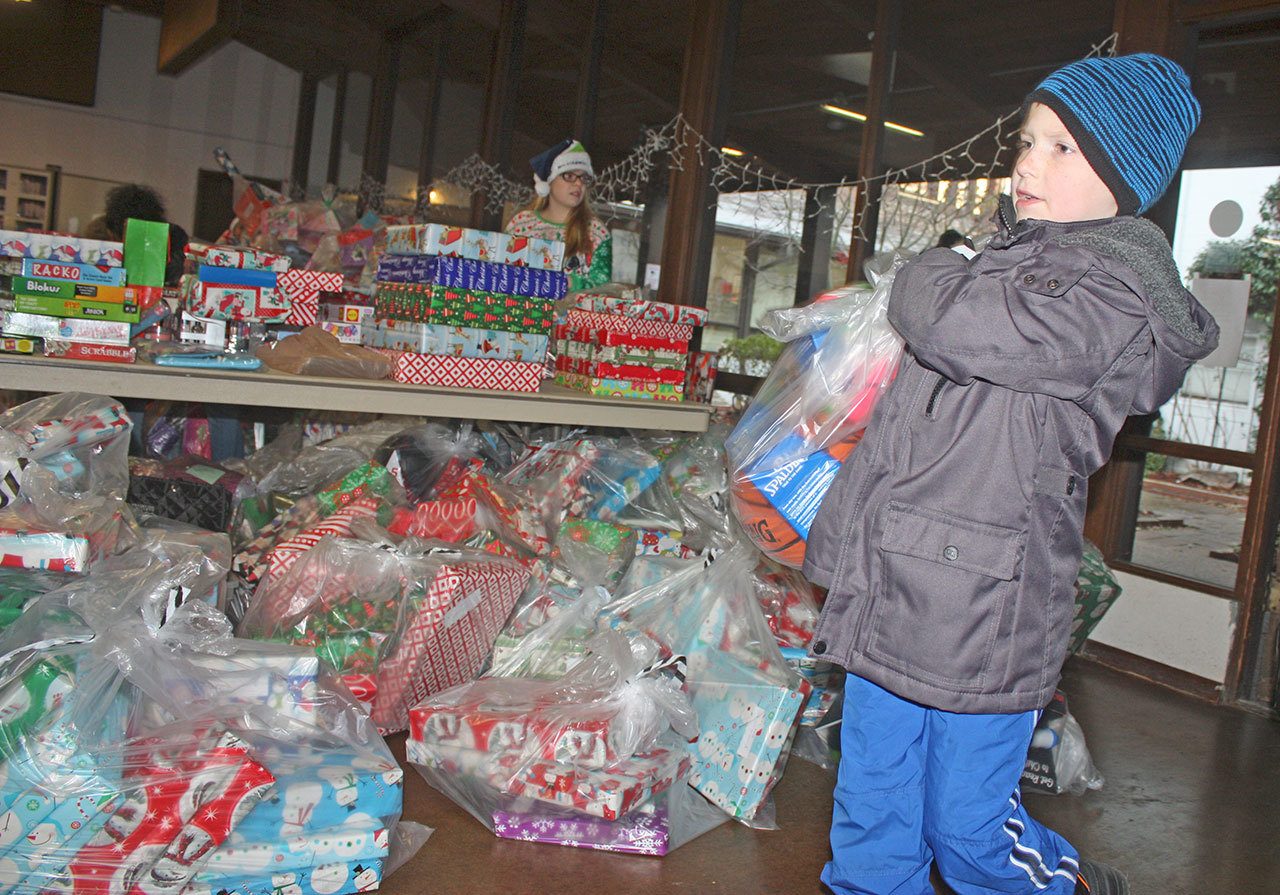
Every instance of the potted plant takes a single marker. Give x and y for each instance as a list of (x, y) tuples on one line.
[(753, 355)]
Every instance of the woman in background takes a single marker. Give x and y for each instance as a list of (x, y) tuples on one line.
[(562, 175)]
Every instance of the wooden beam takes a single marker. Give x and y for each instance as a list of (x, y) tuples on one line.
[(584, 117), (1258, 541), (382, 104), (867, 204), (813, 271), (192, 29), (500, 101), (691, 215), (303, 127), (334, 170), (431, 112)]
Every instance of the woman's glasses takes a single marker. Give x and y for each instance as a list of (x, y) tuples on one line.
[(577, 177)]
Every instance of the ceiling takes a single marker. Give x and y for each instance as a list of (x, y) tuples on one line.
[(958, 67)]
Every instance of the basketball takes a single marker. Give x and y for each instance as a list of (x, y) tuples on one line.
[(767, 527)]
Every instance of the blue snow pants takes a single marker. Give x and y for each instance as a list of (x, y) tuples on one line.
[(918, 785)]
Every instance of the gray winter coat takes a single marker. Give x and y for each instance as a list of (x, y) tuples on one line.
[(951, 538)]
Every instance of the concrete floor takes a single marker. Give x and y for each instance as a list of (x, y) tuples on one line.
[(1191, 806)]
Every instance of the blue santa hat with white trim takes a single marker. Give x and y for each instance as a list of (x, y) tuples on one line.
[(565, 156)]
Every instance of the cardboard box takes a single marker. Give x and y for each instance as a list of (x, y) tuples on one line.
[(604, 370), (80, 273), (233, 302), (621, 388), (203, 331), (235, 256), (56, 247), (456, 341), (70, 289), (124, 312), (237, 276), (17, 345), (120, 354), (465, 372), (72, 329), (641, 308), (477, 245), (630, 326), (463, 307), (467, 273)]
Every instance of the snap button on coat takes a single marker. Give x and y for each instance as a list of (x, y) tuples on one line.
[(819, 646), (951, 553), (1029, 279), (1052, 284)]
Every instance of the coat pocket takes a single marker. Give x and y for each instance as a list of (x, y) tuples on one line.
[(945, 584)]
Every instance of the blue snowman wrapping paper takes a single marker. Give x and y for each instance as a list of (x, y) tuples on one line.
[(343, 878), (316, 790), (747, 724)]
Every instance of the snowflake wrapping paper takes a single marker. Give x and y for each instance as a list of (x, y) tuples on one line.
[(642, 832)]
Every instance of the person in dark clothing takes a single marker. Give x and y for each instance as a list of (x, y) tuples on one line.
[(951, 539), (133, 200), (950, 239)]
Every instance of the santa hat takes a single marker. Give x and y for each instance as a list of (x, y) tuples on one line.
[(565, 156)]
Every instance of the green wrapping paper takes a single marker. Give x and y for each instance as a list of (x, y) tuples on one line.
[(1096, 590), (27, 702), (369, 478), (463, 307)]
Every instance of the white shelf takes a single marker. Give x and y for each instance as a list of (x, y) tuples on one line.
[(553, 404)]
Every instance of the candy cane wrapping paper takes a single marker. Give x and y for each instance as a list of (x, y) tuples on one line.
[(284, 554), (448, 634)]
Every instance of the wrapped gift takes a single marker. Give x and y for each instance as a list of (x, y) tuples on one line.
[(450, 630), (347, 333), (117, 354), (235, 256), (622, 355), (642, 832), (641, 308), (1096, 589), (607, 338), (282, 556), (74, 290), (95, 274), (480, 245), (344, 878), (251, 561), (598, 369), (303, 288), (615, 544), (456, 341), (160, 815), (227, 302), (97, 332), (320, 790), (336, 845), (622, 388), (465, 372), (468, 273), (463, 307), (237, 276), (700, 377), (56, 551), (660, 542), (450, 519), (608, 792), (366, 479), (631, 326), (748, 723), (57, 247)]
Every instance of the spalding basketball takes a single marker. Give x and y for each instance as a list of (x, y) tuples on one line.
[(759, 511)]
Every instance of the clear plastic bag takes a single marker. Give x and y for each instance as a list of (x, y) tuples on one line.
[(64, 463), (601, 748), (810, 411), (747, 698), (431, 457), (1058, 760), (156, 753)]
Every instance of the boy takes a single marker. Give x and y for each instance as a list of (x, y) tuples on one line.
[(951, 539)]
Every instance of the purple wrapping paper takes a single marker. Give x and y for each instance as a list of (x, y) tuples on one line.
[(642, 832), (465, 273)]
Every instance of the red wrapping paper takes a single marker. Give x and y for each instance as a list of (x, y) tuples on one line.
[(602, 370), (448, 637), (617, 323), (284, 554), (464, 372), (611, 338)]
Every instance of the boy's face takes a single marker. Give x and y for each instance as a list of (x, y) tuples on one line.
[(1052, 180)]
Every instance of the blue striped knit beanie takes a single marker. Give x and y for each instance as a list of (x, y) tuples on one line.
[(1131, 115)]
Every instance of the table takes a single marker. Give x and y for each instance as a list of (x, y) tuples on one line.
[(263, 388)]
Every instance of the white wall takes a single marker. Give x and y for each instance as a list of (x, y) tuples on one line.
[(1181, 628), (157, 129)]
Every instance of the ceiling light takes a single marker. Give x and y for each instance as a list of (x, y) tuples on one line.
[(858, 116), (729, 150)]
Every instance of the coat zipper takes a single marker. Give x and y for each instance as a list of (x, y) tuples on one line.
[(933, 397)]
